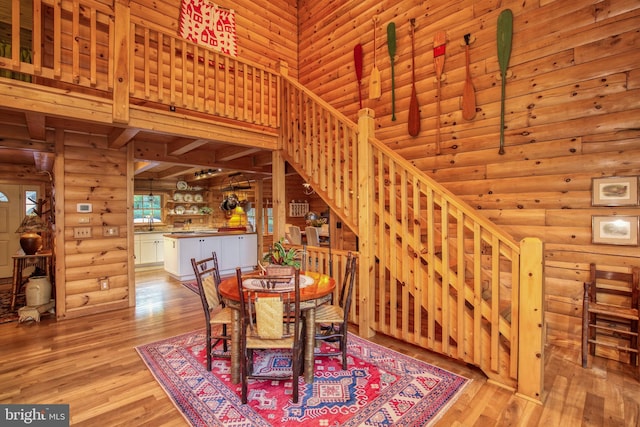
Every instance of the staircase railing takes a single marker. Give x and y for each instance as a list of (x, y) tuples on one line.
[(432, 271), (444, 277)]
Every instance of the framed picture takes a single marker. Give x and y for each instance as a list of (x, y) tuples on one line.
[(614, 230), (614, 191)]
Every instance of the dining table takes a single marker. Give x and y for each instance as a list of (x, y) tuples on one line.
[(312, 295)]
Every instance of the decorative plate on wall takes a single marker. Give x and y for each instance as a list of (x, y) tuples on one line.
[(198, 198), (188, 197), (179, 210), (177, 197), (182, 185)]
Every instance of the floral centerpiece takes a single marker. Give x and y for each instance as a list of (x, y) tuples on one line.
[(280, 260)]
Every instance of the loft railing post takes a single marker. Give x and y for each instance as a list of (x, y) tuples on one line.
[(123, 41), (278, 193), (531, 319), (366, 261)]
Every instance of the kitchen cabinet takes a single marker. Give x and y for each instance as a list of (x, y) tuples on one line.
[(238, 251), (232, 251), (148, 248)]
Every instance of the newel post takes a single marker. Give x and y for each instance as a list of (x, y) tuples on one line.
[(531, 336), (366, 261), (122, 40)]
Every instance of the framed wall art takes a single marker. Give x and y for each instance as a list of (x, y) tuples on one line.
[(614, 191), (614, 230)]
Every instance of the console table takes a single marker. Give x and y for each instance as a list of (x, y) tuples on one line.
[(20, 263)]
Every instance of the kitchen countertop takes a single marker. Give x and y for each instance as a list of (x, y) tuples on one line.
[(196, 233)]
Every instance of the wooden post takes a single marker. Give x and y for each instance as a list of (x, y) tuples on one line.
[(279, 202), (122, 43), (131, 269), (366, 261), (531, 335)]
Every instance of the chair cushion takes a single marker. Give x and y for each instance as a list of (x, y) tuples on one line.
[(329, 314), (222, 316)]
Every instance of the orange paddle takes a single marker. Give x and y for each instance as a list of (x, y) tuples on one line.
[(468, 92)]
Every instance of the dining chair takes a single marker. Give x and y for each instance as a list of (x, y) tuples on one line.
[(270, 319), (313, 237), (611, 313), (295, 235), (332, 319), (217, 315)]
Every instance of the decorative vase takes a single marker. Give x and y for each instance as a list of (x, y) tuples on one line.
[(30, 243)]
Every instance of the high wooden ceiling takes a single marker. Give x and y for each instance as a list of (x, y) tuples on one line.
[(26, 139)]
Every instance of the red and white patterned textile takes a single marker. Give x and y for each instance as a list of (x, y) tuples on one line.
[(209, 25)]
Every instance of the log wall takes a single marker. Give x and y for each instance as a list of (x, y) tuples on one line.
[(94, 174), (572, 108)]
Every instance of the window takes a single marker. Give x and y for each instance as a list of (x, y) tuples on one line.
[(30, 198), (267, 217), (147, 208)]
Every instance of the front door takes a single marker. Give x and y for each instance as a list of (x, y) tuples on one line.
[(10, 218)]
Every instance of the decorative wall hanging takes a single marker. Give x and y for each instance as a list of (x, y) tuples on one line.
[(468, 92), (375, 91), (614, 230), (391, 47), (505, 34), (209, 25), (357, 59), (413, 123), (614, 191), (439, 50)]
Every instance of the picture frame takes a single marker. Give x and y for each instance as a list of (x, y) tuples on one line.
[(615, 230), (614, 191)]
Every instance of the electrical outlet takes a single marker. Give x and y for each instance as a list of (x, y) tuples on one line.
[(82, 232), (104, 284), (110, 231), (84, 220)]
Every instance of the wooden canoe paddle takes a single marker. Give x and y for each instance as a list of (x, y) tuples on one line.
[(439, 48), (505, 34), (391, 47), (413, 123), (357, 59), (375, 91), (468, 92)]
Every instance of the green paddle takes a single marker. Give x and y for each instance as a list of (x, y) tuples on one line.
[(505, 33), (391, 46)]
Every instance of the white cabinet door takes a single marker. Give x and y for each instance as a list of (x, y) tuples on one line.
[(238, 251), (151, 248), (178, 254)]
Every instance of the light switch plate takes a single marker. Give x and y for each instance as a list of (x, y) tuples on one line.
[(82, 232)]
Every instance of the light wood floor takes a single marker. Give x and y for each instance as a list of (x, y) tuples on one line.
[(91, 364)]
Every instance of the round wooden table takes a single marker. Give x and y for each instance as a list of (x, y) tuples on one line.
[(310, 297)]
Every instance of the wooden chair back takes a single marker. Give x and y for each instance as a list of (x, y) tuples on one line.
[(313, 236)]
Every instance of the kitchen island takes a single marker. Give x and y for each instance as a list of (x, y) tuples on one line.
[(233, 248)]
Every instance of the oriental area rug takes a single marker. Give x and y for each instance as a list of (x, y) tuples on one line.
[(380, 388), (6, 314)]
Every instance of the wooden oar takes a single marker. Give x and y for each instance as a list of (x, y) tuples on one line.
[(439, 48), (413, 123), (468, 92), (357, 59), (375, 91), (391, 47), (505, 34)]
